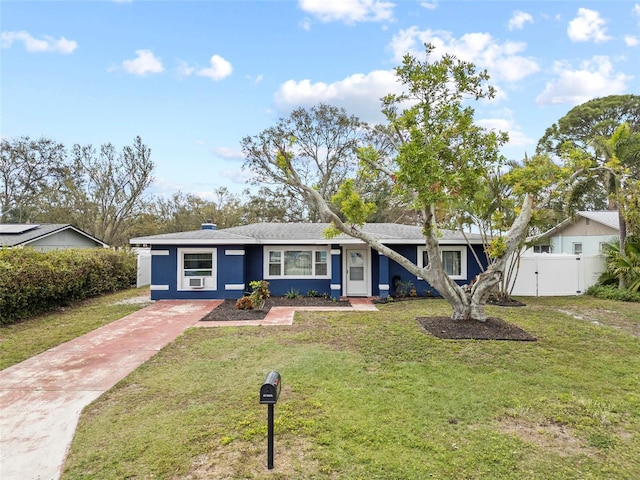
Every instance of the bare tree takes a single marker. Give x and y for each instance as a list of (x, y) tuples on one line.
[(27, 166)]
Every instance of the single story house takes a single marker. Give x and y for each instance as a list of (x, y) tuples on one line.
[(211, 263), (46, 236), (582, 235)]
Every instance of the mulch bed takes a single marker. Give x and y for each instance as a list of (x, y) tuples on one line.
[(227, 310), (492, 329)]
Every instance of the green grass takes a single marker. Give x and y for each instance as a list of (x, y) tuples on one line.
[(30, 337), (371, 396)]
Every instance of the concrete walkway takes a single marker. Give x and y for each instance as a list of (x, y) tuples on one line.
[(41, 398)]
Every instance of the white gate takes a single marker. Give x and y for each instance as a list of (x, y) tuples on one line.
[(557, 275), (144, 267)]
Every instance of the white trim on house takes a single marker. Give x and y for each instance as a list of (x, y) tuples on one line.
[(234, 252), (159, 252), (159, 287), (234, 286), (209, 282)]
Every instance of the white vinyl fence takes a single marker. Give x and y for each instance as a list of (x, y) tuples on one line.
[(550, 275), (144, 266)]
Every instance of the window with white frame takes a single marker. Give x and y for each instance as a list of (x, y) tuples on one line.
[(577, 248), (542, 249), (454, 260), (197, 268), (296, 262)]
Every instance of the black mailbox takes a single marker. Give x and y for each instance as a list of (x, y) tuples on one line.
[(270, 390)]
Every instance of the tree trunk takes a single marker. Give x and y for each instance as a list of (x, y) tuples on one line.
[(467, 302)]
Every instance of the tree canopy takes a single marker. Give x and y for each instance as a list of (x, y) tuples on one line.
[(100, 190)]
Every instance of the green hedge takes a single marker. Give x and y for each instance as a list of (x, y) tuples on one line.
[(611, 292), (33, 282)]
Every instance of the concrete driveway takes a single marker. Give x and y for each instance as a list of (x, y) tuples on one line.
[(41, 398)]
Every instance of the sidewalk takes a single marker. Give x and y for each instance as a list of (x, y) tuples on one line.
[(41, 398)]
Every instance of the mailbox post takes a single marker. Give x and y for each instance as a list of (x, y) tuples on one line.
[(269, 393)]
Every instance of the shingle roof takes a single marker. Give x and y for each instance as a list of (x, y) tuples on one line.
[(288, 233), (27, 233)]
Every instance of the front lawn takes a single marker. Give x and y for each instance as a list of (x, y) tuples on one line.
[(29, 337), (371, 396)]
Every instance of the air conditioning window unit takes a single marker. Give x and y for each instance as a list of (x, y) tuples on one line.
[(196, 282)]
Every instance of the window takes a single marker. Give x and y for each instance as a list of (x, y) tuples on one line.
[(296, 263), (197, 268), (198, 264), (454, 261), (542, 249), (577, 248)]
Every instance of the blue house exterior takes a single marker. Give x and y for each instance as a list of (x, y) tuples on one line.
[(219, 264)]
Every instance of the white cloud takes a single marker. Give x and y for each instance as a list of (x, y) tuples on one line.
[(502, 60), (594, 78), (517, 138), (305, 24), (220, 69), (229, 153), (429, 5), (588, 25), (636, 9), (359, 94), (631, 41), (144, 63), (348, 11), (31, 44), (519, 19)]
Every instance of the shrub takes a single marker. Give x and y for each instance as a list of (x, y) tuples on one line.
[(404, 289), (623, 267), (33, 282), (244, 303), (312, 293), (611, 292), (293, 293), (259, 293)]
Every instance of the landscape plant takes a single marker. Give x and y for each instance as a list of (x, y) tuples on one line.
[(244, 303), (259, 293), (292, 293), (622, 268), (33, 282)]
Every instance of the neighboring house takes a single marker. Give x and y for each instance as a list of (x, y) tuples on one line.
[(46, 236), (211, 263), (567, 259), (582, 235)]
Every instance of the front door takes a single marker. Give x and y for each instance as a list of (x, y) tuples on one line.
[(357, 272)]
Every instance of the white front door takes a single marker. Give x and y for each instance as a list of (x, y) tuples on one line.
[(357, 274)]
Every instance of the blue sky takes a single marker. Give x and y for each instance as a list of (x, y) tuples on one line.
[(194, 77)]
